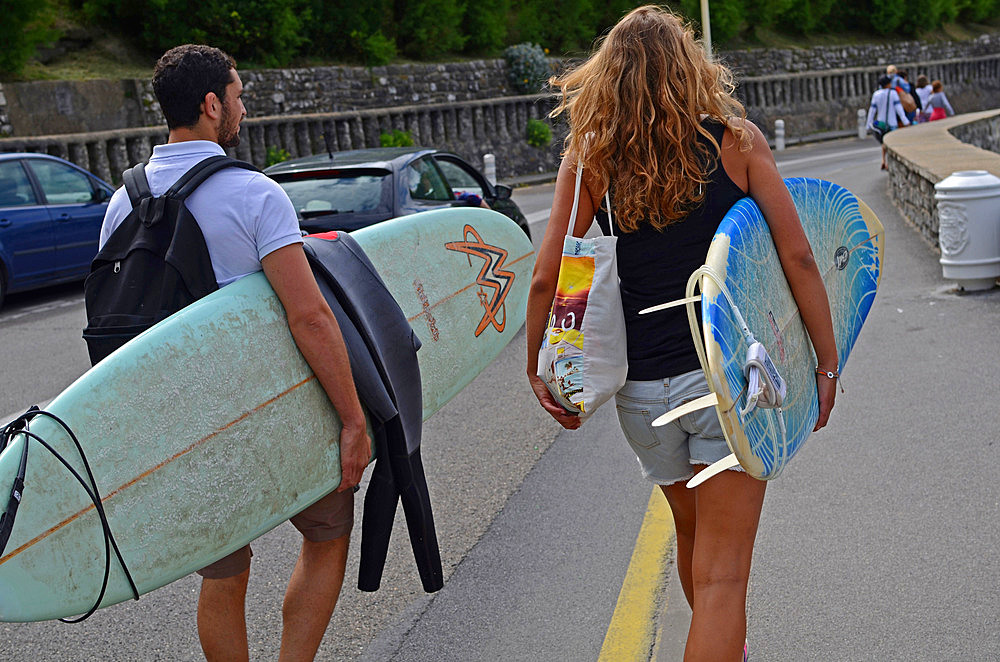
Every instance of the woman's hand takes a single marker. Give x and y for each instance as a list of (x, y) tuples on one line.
[(826, 388), (568, 420)]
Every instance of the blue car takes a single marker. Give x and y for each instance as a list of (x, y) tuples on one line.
[(50, 221)]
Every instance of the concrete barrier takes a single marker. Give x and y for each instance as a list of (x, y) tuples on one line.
[(921, 156)]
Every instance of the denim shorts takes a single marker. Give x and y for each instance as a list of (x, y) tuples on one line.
[(666, 453)]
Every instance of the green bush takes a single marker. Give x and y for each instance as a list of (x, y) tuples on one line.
[(527, 67), (376, 49), (396, 138), (276, 155), (539, 133), (25, 24)]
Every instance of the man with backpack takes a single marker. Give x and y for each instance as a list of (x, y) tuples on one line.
[(248, 224)]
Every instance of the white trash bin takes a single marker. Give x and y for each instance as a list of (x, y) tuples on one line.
[(968, 204)]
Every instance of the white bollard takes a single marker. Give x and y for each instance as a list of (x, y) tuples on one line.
[(862, 121), (490, 168), (779, 135)]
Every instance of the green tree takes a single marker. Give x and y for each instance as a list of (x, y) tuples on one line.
[(264, 32), (427, 29), (561, 26), (807, 17), (923, 15), (347, 29), (978, 10), (485, 25), (25, 24), (887, 15)]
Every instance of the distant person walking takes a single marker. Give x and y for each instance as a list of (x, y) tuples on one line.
[(885, 113), (938, 103), (923, 92)]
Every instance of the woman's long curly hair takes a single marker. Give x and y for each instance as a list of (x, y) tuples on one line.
[(635, 109)]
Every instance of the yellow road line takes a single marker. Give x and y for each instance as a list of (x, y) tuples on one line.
[(632, 632)]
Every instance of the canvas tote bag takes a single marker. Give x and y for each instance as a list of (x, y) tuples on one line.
[(582, 359)]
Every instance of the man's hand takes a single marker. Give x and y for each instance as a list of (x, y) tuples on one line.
[(355, 454)]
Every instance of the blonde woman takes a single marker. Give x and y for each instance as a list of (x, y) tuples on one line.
[(655, 122)]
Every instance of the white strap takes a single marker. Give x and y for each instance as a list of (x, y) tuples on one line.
[(576, 199), (576, 203)]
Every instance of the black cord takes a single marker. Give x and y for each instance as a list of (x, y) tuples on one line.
[(20, 426)]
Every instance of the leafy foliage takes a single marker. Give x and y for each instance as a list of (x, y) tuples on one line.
[(25, 24), (265, 32), (376, 32), (486, 25), (276, 155), (527, 67), (538, 133), (396, 138), (431, 27)]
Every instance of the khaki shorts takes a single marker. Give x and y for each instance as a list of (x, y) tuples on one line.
[(329, 518)]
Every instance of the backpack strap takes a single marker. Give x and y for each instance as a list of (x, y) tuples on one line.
[(201, 171), (136, 184)]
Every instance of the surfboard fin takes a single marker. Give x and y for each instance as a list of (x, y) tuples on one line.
[(670, 304), (727, 462), (704, 402)]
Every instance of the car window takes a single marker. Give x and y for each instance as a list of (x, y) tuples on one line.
[(62, 184), (460, 179), (336, 192), (425, 182), (15, 187)]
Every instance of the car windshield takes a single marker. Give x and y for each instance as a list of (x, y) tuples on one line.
[(335, 192)]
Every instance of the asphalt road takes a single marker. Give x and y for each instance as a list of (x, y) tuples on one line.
[(878, 543)]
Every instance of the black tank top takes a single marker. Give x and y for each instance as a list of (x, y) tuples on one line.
[(654, 267)]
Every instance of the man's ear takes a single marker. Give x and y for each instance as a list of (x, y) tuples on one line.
[(211, 106)]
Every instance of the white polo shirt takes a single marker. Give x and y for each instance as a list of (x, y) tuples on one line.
[(243, 214)]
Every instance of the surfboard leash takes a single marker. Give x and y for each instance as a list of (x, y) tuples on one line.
[(20, 426)]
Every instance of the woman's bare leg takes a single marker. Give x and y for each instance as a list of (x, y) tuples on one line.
[(727, 512)]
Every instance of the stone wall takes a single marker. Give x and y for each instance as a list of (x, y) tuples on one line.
[(51, 107), (768, 61), (468, 128)]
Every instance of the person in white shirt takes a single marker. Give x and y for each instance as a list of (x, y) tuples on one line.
[(924, 89), (249, 225), (885, 113)]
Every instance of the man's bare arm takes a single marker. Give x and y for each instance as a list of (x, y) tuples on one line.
[(318, 337)]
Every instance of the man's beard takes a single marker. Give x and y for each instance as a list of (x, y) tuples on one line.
[(229, 133)]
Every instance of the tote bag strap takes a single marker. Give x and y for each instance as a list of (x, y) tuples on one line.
[(576, 203)]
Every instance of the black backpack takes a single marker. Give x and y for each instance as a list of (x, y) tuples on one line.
[(153, 264)]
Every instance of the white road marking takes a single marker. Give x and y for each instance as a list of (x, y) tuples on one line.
[(827, 157), (537, 216), (45, 307)]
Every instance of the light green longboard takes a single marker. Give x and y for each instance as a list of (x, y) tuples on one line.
[(210, 429)]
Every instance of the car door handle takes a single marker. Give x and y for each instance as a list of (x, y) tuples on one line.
[(4, 223), (64, 217)]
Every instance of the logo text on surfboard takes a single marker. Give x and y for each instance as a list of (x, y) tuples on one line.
[(493, 281)]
